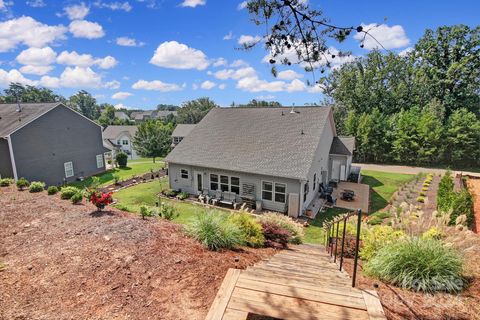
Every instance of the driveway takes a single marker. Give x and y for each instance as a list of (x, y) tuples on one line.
[(409, 169)]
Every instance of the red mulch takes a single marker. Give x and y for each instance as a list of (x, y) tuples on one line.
[(474, 187), (67, 261)]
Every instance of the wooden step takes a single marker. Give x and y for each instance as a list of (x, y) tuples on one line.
[(219, 305)]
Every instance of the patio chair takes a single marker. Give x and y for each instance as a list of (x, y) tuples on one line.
[(217, 197), (331, 200)]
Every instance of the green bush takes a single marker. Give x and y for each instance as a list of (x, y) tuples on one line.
[(420, 265), (422, 193), (426, 184), (425, 189), (52, 190), (295, 229), (375, 238), (76, 197), (22, 183), (215, 231), (182, 195), (121, 159), (251, 228), (116, 178), (37, 186), (167, 211), (444, 193), (421, 199), (146, 211), (169, 192), (432, 233), (462, 203), (5, 182), (66, 193)]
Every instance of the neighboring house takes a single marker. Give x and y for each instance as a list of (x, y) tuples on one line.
[(122, 115), (274, 155), (180, 132), (140, 116), (48, 142), (119, 138)]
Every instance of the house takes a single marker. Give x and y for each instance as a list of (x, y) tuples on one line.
[(48, 142), (119, 138), (122, 115), (180, 132), (140, 116), (273, 157)]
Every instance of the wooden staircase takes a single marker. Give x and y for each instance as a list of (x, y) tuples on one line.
[(299, 283)]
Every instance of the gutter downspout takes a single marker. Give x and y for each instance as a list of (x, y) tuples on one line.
[(12, 157)]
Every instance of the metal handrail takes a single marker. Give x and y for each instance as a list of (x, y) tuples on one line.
[(329, 243)]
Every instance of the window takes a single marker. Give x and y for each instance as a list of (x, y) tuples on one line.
[(305, 191), (224, 183), (177, 140), (119, 142), (314, 181), (184, 173), (100, 161), (213, 182), (125, 142), (267, 190), (280, 192), (235, 185), (68, 166)]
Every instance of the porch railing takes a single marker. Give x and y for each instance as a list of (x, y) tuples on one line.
[(331, 239)]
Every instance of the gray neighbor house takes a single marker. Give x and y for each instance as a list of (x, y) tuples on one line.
[(278, 156), (48, 142)]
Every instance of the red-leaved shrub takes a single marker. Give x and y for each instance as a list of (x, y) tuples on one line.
[(275, 235)]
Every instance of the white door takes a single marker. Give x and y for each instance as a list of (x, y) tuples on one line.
[(342, 173), (198, 180), (336, 169)]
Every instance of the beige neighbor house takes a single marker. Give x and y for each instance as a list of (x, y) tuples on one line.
[(180, 132), (119, 138), (274, 156)]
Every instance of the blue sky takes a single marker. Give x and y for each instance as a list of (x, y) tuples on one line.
[(139, 53)]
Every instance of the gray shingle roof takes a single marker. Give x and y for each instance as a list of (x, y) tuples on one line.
[(267, 141), (11, 119), (182, 130), (343, 145), (112, 132)]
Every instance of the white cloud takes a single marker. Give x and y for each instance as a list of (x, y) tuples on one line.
[(267, 97), (73, 58), (49, 82), (86, 29), (207, 85), (405, 51), (291, 55), (7, 77), (254, 84), (121, 106), (125, 6), (26, 30), (295, 85), (242, 5), (37, 56), (235, 74), (172, 54), (222, 86), (247, 39), (129, 42), (121, 95), (37, 70), (289, 75), (193, 3), (156, 85), (390, 37), (77, 12), (228, 36), (239, 63), (80, 77), (36, 3), (220, 62), (2, 4), (114, 84)]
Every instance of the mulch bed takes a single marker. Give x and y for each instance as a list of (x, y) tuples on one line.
[(474, 188), (67, 261), (147, 177)]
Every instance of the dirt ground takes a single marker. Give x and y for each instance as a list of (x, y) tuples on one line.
[(474, 187), (64, 261)]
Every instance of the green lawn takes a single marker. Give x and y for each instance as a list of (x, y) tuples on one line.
[(146, 194), (133, 169), (145, 160), (315, 233), (383, 184)]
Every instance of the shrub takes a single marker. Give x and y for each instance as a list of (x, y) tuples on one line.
[(116, 178), (251, 228), (462, 203), (22, 183), (421, 199), (5, 182), (425, 189), (444, 193), (275, 234), (375, 238), (76, 198), (169, 192), (432, 233), (167, 211), (99, 199), (121, 159), (37, 186), (295, 229), (145, 211), (426, 184), (422, 193), (66, 193), (215, 231), (420, 265), (182, 195), (52, 190)]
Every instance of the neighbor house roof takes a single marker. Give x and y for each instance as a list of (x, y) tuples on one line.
[(165, 113), (182, 130), (121, 115), (266, 141), (11, 119), (112, 132), (343, 146)]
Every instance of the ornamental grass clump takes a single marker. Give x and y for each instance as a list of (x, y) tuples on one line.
[(215, 231), (419, 265)]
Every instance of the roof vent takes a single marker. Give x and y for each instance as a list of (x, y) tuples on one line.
[(302, 133), (282, 113), (19, 107)]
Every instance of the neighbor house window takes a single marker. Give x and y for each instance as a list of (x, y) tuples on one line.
[(224, 183), (267, 191), (314, 181), (119, 142), (99, 161), (235, 185), (184, 173), (213, 182), (68, 166), (125, 142), (280, 192)]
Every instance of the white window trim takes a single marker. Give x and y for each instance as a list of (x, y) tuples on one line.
[(100, 161), (274, 192), (188, 174), (70, 163)]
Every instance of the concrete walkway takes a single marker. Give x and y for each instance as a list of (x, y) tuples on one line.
[(409, 169)]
